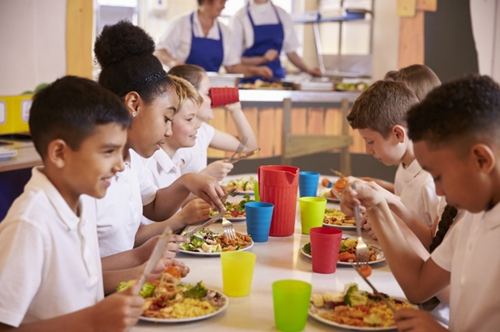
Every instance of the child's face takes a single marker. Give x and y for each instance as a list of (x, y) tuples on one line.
[(456, 177), (89, 169), (185, 126), (388, 151), (152, 124), (205, 112)]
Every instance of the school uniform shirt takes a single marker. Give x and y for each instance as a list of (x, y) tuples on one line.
[(469, 252), (416, 189), (195, 158), (178, 36), (262, 14), (49, 257), (164, 171), (119, 213)]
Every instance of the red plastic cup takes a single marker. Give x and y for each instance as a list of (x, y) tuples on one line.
[(278, 185), (223, 95), (325, 245)]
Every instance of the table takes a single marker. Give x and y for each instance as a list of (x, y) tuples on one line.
[(279, 258)]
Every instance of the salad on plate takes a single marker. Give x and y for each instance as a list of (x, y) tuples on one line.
[(206, 241)]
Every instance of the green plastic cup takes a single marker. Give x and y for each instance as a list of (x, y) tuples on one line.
[(237, 272), (291, 304), (256, 191), (312, 212)]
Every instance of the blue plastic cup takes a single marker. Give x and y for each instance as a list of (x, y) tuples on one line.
[(259, 216), (308, 184)]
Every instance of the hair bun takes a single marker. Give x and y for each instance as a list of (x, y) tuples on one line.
[(121, 41)]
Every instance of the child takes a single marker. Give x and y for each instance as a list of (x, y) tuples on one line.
[(379, 115), (50, 269), (131, 71), (196, 158), (455, 134)]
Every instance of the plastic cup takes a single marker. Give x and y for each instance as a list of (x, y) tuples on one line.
[(223, 95), (237, 272), (256, 191), (312, 212), (259, 216), (308, 184), (325, 245), (291, 304)]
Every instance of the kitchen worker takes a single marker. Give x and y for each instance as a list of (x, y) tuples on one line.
[(200, 39), (261, 31)]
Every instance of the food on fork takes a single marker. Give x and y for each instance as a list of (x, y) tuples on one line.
[(340, 185), (234, 210), (241, 184)]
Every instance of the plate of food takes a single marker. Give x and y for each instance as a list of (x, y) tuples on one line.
[(234, 211), (168, 300), (328, 189), (354, 309), (208, 243), (329, 195), (243, 185), (347, 252), (338, 219)]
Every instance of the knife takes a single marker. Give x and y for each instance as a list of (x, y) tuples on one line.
[(375, 291), (205, 224), (154, 258)]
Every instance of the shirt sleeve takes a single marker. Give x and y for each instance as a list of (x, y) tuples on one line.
[(291, 41), (148, 189), (231, 57), (237, 35), (170, 40), (443, 254)]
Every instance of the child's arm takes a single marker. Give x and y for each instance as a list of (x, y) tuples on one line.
[(203, 186), (227, 142), (419, 279), (389, 186), (116, 313)]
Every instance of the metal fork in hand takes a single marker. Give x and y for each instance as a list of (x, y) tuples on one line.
[(362, 253), (228, 229), (240, 148)]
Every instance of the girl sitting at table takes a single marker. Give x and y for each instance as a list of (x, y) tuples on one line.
[(195, 158)]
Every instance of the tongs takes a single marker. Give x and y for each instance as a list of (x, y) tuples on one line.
[(241, 156), (239, 148)]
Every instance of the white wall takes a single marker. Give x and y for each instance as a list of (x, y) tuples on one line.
[(32, 43)]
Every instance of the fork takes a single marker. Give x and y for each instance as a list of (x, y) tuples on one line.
[(362, 253), (240, 148), (228, 229)]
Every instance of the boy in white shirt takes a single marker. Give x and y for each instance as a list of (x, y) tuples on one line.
[(50, 270), (455, 131), (379, 116)]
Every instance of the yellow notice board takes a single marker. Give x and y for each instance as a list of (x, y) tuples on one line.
[(14, 113)]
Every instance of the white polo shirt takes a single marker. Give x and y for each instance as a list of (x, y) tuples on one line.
[(195, 158), (469, 252), (49, 257), (416, 189), (177, 39), (242, 29), (119, 213)]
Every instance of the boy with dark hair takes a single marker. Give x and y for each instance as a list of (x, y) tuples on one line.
[(50, 268), (456, 135), (379, 115)]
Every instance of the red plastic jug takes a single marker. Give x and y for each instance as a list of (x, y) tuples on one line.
[(278, 185)]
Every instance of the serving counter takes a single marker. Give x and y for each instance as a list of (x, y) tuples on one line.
[(279, 258)]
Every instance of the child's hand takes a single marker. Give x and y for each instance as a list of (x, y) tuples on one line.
[(218, 169), (163, 264), (207, 188), (364, 195), (416, 321), (367, 226), (263, 71), (194, 211), (270, 55), (117, 312), (234, 107)]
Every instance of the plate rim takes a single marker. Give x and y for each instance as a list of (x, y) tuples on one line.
[(189, 319), (237, 219), (345, 263), (340, 226), (212, 254)]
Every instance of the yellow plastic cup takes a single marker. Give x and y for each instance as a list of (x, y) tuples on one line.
[(312, 212), (237, 272)]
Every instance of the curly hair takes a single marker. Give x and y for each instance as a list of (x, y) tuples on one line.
[(419, 78), (382, 106), (458, 114), (125, 53)]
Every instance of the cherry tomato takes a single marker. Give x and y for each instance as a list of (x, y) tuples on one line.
[(366, 270)]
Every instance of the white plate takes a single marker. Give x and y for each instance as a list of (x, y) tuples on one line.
[(321, 193), (340, 226), (6, 153), (237, 219), (379, 252), (246, 192), (347, 327), (190, 319), (210, 254)]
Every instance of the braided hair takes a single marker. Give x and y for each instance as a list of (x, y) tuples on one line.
[(446, 221)]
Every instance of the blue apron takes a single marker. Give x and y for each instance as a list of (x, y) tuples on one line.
[(206, 52), (266, 36)]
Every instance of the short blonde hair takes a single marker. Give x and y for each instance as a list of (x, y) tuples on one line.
[(186, 91)]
